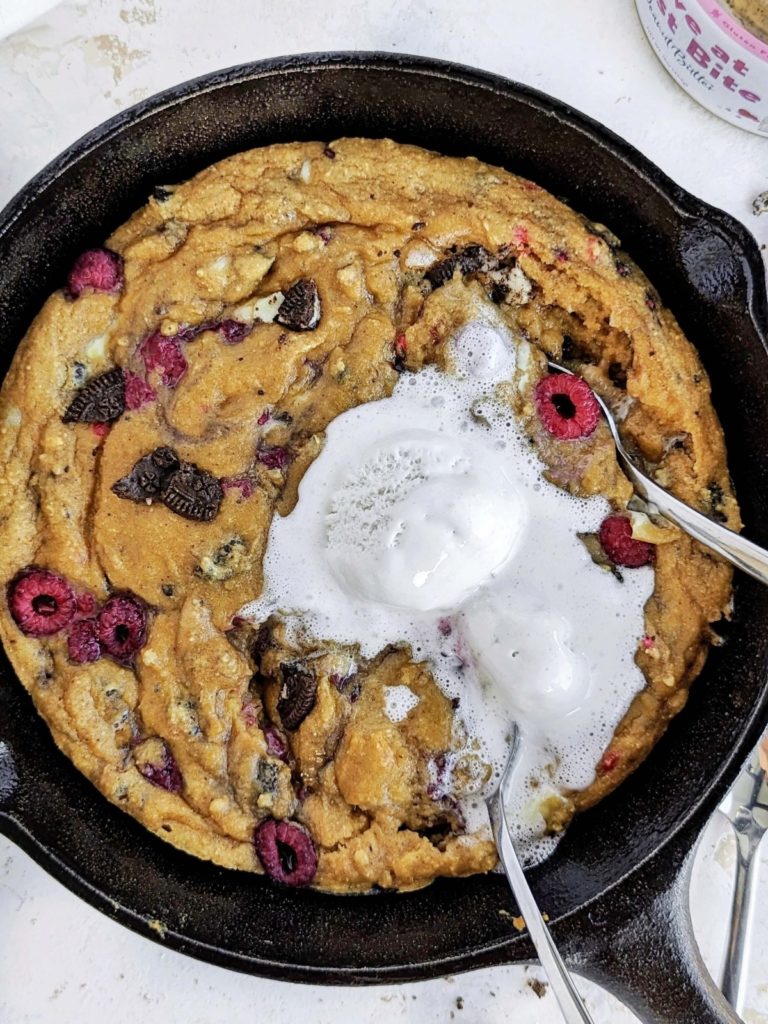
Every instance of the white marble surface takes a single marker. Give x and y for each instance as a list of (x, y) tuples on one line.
[(81, 62)]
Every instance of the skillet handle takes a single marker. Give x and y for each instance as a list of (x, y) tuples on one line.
[(637, 941)]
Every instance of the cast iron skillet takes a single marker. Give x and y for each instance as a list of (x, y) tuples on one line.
[(616, 889)]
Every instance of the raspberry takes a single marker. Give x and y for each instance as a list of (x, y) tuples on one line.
[(348, 686), (287, 852), (609, 761), (41, 602), (191, 331), (137, 391), (273, 456), (82, 643), (276, 745), (121, 627), (399, 362), (233, 331), (154, 760), (164, 354), (238, 483), (251, 716), (566, 406), (86, 604), (98, 269), (617, 541)]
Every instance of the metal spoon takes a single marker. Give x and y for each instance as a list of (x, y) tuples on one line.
[(746, 807), (573, 1009), (737, 550)]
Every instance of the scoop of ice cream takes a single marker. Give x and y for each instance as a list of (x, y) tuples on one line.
[(421, 520)]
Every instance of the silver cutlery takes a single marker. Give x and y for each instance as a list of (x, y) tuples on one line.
[(746, 807), (571, 1004)]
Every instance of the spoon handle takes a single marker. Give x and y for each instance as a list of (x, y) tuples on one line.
[(737, 550), (746, 807), (736, 970), (571, 1004)]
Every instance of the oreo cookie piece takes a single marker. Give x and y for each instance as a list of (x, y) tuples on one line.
[(100, 400), (297, 696), (474, 258), (301, 309), (148, 478), (470, 260), (193, 493), (441, 272)]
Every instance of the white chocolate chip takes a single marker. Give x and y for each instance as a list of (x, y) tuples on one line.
[(518, 286), (308, 241), (219, 805), (96, 348), (216, 272), (259, 310), (351, 280), (175, 233), (419, 256), (168, 328), (622, 408), (646, 530)]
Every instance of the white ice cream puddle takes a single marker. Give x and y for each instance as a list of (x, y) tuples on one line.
[(399, 701), (419, 513)]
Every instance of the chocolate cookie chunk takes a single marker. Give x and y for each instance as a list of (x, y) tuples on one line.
[(297, 697), (469, 260), (301, 308), (193, 493), (183, 487), (149, 477), (100, 400)]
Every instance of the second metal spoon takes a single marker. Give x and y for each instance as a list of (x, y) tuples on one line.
[(571, 1004)]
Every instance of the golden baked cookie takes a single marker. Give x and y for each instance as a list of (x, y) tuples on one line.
[(164, 406)]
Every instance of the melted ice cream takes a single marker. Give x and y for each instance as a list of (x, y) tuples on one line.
[(426, 520)]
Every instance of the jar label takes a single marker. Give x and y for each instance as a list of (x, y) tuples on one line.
[(705, 50), (734, 28)]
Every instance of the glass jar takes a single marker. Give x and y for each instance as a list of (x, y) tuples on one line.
[(717, 50)]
